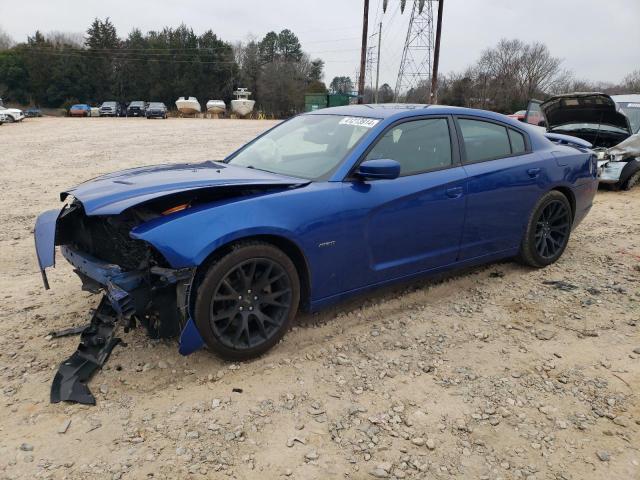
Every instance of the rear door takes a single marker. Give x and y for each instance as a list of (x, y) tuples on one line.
[(505, 179), (412, 223)]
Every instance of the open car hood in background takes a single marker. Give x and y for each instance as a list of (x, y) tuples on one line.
[(594, 108), (112, 193)]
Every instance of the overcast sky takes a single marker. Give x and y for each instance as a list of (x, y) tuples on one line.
[(598, 40)]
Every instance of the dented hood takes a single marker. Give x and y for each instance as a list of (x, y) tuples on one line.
[(588, 107), (112, 193)]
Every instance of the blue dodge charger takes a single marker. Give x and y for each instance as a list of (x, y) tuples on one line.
[(320, 207)]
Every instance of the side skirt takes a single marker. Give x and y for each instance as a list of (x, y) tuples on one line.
[(327, 301)]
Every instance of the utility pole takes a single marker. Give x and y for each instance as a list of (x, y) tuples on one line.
[(363, 52), (436, 58), (378, 63)]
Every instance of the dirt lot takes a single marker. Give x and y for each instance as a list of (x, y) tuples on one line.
[(490, 374)]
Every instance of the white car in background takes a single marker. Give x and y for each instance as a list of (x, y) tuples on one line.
[(12, 114), (3, 118)]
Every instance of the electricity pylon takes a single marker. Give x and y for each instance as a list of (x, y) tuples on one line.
[(417, 55)]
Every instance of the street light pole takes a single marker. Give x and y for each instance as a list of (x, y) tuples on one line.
[(436, 58), (363, 52), (378, 63)]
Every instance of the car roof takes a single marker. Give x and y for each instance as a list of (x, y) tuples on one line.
[(401, 110), (632, 97)]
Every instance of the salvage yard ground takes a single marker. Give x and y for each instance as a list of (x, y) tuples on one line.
[(501, 372)]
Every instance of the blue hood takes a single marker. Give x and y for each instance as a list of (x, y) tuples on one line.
[(112, 193)]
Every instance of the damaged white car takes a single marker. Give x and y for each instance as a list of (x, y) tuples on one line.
[(610, 124)]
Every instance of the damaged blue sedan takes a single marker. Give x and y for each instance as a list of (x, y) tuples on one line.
[(321, 207)]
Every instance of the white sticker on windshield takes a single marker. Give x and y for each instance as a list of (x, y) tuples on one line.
[(633, 105), (359, 122)]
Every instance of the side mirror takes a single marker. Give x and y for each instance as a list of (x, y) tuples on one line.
[(379, 169)]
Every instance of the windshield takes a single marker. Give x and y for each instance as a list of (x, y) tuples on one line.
[(156, 105), (632, 110), (590, 126), (307, 146), (136, 104), (109, 104)]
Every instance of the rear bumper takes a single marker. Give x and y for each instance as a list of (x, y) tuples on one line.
[(584, 195)]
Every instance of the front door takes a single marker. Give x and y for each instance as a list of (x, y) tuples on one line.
[(412, 223)]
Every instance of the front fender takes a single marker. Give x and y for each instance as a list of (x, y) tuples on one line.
[(187, 240)]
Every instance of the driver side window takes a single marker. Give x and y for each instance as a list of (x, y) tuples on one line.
[(418, 146)]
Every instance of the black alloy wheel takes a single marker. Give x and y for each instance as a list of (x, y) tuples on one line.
[(251, 303), (548, 230), (247, 301), (552, 229)]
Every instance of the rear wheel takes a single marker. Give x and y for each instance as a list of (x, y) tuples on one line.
[(247, 301), (548, 231), (10, 119)]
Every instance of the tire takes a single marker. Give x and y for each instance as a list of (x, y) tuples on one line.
[(239, 312), (632, 181), (548, 231), (10, 119)]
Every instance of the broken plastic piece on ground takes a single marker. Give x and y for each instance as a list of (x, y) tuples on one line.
[(560, 285), (96, 343), (190, 339), (67, 332)]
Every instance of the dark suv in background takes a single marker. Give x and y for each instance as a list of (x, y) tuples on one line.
[(110, 109), (156, 110), (136, 108)]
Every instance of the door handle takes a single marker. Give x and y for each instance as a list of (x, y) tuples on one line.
[(454, 192), (533, 172)]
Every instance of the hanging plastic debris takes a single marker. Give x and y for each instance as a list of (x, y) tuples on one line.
[(384, 6), (402, 5), (420, 6)]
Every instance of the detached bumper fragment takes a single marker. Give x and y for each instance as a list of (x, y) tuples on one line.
[(44, 234), (96, 343)]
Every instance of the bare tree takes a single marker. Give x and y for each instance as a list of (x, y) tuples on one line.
[(631, 83), (65, 39), (6, 41)]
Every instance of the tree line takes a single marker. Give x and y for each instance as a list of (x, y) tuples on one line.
[(57, 69), (507, 75)]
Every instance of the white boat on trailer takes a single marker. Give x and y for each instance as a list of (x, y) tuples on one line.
[(216, 107), (242, 106), (188, 105)]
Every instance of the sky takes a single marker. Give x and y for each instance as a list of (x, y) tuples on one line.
[(597, 40)]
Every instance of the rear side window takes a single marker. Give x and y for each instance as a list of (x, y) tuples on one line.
[(418, 146), (517, 142), (484, 140)]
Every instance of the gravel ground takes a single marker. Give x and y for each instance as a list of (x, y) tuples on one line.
[(488, 374)]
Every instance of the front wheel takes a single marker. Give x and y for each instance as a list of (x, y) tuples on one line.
[(633, 180), (247, 301), (548, 231), (10, 119)]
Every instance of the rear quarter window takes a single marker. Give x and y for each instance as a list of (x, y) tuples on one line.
[(484, 140), (518, 144)]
